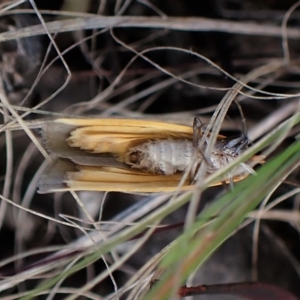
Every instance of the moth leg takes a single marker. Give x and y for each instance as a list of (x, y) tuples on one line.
[(194, 172), (243, 140), (244, 144), (225, 186), (230, 185), (239, 144), (198, 129)]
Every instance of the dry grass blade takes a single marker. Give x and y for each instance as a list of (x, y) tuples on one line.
[(173, 23)]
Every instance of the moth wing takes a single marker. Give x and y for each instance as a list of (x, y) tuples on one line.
[(65, 175), (102, 141), (116, 136), (87, 151), (55, 135), (118, 180)]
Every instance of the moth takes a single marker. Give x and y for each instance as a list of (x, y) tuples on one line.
[(127, 155)]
